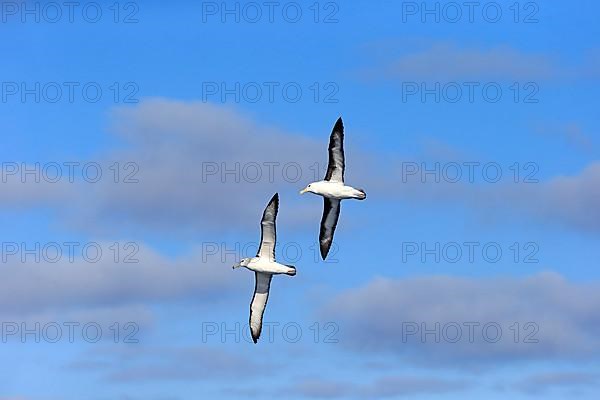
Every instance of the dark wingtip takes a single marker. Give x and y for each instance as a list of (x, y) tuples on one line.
[(339, 125), (255, 340), (324, 252), (275, 199)]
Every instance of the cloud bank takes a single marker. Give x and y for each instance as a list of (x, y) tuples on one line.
[(426, 320)]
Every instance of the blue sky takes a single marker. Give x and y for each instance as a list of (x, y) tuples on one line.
[(179, 108)]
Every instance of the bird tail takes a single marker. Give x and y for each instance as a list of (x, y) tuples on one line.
[(292, 271)]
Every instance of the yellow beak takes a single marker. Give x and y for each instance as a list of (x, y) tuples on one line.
[(303, 191)]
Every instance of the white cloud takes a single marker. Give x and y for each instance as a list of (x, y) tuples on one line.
[(543, 382), (36, 288), (449, 62), (444, 61), (176, 147), (385, 387), (381, 316), (569, 201)]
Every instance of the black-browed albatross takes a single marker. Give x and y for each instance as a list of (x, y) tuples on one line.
[(264, 267), (333, 189)]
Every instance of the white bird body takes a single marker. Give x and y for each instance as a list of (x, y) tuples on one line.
[(335, 190), (266, 266)]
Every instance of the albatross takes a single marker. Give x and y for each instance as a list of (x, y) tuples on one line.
[(333, 189), (264, 267)]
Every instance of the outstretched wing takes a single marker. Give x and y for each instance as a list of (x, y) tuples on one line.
[(335, 168), (259, 302), (331, 213), (268, 233)]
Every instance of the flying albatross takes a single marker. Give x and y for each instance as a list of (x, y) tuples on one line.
[(264, 267), (333, 189)]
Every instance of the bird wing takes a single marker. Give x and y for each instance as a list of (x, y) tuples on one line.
[(259, 303), (268, 235), (335, 167), (331, 213)]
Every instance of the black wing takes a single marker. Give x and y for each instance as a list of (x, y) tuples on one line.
[(268, 234), (331, 213), (335, 168), (259, 303)]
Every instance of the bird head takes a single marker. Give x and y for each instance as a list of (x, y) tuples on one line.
[(243, 263), (309, 188)]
